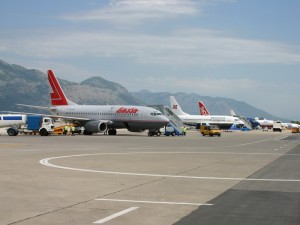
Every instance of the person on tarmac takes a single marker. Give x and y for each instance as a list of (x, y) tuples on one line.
[(73, 130)]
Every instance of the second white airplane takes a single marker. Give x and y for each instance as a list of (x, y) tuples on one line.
[(224, 122)]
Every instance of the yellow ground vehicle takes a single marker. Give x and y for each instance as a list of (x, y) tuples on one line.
[(295, 130), (210, 130), (60, 129)]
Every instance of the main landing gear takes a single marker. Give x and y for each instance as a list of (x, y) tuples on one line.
[(154, 132), (111, 131)]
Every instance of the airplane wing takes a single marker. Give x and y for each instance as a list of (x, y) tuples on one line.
[(68, 118), (49, 115)]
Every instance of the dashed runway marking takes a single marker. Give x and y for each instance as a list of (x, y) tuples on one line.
[(116, 215)]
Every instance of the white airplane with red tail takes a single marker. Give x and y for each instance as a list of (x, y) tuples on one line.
[(101, 118), (203, 110), (224, 122)]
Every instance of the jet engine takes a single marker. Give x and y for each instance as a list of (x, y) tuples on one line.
[(95, 126)]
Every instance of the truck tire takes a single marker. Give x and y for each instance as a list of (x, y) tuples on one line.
[(44, 132), (12, 132)]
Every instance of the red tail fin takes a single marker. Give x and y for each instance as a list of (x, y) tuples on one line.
[(203, 109), (57, 96)]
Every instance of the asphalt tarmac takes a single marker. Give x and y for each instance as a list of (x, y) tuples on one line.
[(238, 178)]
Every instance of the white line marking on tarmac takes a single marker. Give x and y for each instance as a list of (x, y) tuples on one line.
[(116, 215), (46, 163), (153, 202)]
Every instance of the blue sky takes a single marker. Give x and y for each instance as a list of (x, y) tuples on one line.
[(248, 50)]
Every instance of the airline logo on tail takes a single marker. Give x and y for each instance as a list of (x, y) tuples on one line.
[(203, 109), (57, 96), (175, 106)]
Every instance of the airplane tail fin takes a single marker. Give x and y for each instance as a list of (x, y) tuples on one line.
[(57, 96), (176, 107), (203, 109)]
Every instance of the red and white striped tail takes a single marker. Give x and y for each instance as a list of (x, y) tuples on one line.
[(203, 109), (57, 96)]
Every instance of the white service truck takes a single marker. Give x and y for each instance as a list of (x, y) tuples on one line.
[(277, 126), (33, 124)]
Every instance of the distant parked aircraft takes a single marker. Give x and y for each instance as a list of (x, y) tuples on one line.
[(263, 123), (224, 122)]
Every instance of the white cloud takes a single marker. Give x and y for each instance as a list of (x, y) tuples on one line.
[(185, 47), (136, 11)]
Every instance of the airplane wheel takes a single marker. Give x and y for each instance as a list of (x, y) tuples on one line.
[(112, 132)]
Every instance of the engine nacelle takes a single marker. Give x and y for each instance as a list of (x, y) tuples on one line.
[(95, 126)]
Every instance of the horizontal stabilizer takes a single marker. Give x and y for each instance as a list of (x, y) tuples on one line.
[(35, 107)]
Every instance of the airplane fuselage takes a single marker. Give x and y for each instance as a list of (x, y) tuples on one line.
[(224, 122), (117, 116), (264, 122)]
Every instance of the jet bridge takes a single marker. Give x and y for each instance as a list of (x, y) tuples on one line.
[(175, 121)]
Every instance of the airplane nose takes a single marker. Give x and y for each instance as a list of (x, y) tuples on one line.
[(165, 119)]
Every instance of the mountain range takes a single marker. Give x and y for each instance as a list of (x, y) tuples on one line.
[(29, 86)]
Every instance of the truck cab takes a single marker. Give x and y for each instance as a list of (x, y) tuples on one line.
[(47, 126), (277, 126)]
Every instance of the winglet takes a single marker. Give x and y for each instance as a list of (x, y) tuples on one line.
[(203, 109), (57, 96)]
